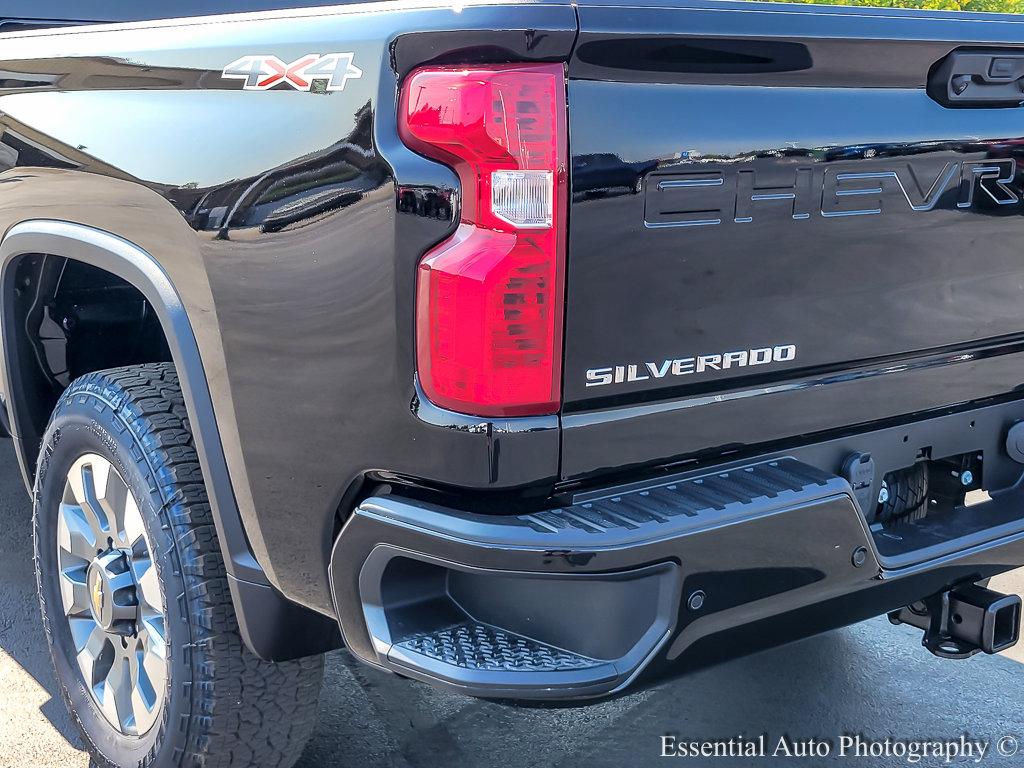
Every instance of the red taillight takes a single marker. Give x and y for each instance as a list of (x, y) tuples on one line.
[(489, 299)]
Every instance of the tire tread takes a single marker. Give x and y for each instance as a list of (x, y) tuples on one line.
[(244, 712)]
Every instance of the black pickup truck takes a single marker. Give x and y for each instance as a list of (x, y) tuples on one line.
[(532, 350)]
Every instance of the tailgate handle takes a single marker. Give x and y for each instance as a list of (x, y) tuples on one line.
[(979, 79)]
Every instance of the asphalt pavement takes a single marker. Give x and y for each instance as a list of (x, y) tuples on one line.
[(870, 681)]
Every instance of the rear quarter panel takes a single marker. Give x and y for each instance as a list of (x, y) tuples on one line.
[(275, 215)]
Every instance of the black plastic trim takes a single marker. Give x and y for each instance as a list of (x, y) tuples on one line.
[(596, 677), (719, 529), (276, 629)]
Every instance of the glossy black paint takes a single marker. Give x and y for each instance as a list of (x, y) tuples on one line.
[(290, 224), (899, 301), (813, 407), (53, 12), (278, 218)]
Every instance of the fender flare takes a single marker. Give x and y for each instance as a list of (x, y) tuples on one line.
[(268, 621)]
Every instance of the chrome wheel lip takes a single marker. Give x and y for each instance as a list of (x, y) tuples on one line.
[(119, 635)]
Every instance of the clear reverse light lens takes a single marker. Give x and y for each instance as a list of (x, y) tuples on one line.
[(524, 199)]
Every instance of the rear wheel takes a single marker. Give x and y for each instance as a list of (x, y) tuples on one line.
[(134, 594)]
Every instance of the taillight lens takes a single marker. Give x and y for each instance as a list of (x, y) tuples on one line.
[(490, 298)]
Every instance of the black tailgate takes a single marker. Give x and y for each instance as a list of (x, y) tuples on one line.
[(767, 201)]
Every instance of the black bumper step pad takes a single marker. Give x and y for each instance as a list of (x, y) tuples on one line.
[(695, 497), (472, 645)]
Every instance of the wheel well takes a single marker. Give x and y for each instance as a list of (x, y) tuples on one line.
[(70, 318), (116, 324)]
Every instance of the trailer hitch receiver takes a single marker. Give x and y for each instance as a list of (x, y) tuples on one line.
[(963, 621)]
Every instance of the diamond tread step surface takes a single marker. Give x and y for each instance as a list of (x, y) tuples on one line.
[(477, 646)]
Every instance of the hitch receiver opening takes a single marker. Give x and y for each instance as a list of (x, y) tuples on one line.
[(963, 621)]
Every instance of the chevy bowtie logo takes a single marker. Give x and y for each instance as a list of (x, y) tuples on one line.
[(96, 593), (260, 73)]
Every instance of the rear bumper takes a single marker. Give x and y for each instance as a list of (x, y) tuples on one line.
[(578, 601)]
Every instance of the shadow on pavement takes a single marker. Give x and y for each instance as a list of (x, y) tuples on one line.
[(21, 633)]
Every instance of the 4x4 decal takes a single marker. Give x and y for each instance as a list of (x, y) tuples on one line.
[(312, 72)]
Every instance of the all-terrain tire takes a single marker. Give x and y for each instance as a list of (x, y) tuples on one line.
[(222, 706)]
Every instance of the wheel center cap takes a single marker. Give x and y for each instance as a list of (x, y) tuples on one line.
[(113, 599), (97, 594)]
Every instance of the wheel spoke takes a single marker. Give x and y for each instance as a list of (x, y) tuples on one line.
[(74, 591), (149, 584), (134, 530), (82, 482), (141, 707), (148, 674), (75, 534), (95, 656), (153, 635), (116, 697), (82, 629), (153, 664), (106, 496), (112, 497)]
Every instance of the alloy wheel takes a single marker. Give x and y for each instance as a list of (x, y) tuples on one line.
[(111, 596)]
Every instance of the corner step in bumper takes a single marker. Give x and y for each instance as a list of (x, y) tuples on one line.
[(576, 601), (475, 653)]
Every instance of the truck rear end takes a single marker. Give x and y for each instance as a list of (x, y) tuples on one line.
[(530, 350), (774, 298)]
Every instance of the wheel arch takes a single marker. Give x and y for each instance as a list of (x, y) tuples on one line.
[(267, 620)]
